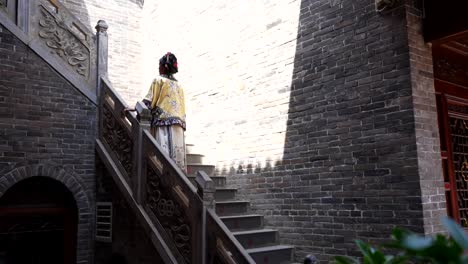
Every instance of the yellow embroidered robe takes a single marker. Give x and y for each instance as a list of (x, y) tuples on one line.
[(166, 100)]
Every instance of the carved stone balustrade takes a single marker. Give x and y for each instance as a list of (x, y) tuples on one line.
[(50, 29), (179, 217)]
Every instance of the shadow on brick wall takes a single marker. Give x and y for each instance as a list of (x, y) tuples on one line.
[(349, 167)]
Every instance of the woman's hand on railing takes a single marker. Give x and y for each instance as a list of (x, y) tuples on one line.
[(129, 109)]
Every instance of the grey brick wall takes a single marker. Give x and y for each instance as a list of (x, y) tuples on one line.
[(47, 128), (124, 18), (350, 167), (347, 146), (426, 124), (362, 149), (322, 111)]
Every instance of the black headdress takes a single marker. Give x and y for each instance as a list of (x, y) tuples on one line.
[(168, 64)]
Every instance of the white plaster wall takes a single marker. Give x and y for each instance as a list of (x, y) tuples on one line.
[(125, 45), (236, 63)]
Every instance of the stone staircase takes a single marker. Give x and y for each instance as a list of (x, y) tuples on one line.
[(261, 243)]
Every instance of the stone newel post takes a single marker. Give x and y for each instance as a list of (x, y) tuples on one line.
[(101, 41)]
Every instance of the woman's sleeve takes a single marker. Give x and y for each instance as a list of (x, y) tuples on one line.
[(153, 92)]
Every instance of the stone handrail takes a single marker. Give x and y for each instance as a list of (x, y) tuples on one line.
[(180, 213), (221, 245), (121, 147), (50, 29), (171, 200)]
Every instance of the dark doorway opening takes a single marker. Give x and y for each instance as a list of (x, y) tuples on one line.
[(38, 223)]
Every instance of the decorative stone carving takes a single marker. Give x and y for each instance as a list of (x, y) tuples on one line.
[(169, 213), (101, 27), (3, 3), (58, 36), (118, 140)]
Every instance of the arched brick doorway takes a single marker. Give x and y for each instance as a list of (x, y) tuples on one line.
[(38, 223), (81, 195)]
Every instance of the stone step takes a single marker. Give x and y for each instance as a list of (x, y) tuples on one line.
[(256, 238), (194, 159), (243, 222), (189, 148), (219, 181), (193, 168), (232, 207), (278, 254), (223, 194)]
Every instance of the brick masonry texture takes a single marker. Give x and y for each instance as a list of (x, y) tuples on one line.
[(350, 167), (347, 146), (47, 128), (236, 62), (426, 125), (125, 45), (322, 111)]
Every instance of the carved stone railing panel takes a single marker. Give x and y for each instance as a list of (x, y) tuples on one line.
[(180, 214), (172, 200), (9, 7), (56, 35), (221, 246), (169, 212), (54, 27), (71, 47), (117, 132), (118, 139)]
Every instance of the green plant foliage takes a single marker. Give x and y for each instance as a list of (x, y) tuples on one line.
[(415, 248)]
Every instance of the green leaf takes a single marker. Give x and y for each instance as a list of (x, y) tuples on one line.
[(345, 260), (395, 259), (417, 242), (464, 260), (371, 255), (456, 232)]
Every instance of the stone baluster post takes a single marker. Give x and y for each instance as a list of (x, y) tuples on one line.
[(102, 53), (22, 15), (144, 115), (206, 190)]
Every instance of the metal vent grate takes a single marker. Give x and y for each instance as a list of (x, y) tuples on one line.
[(104, 221)]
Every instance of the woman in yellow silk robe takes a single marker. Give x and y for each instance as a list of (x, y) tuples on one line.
[(165, 98)]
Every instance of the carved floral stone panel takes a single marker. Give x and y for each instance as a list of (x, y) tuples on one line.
[(169, 213), (57, 35), (118, 140)]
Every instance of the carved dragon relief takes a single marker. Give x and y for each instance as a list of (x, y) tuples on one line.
[(118, 140), (169, 213), (58, 36)]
